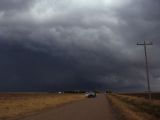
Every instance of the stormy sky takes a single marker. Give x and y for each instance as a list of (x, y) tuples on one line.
[(78, 44)]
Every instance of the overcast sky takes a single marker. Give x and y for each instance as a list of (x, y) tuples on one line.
[(78, 44)]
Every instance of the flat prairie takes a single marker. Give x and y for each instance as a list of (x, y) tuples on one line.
[(17, 105), (155, 95), (135, 108)]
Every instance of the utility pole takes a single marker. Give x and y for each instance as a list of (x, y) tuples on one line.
[(147, 68)]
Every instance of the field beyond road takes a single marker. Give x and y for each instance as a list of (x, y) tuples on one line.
[(135, 108), (17, 105)]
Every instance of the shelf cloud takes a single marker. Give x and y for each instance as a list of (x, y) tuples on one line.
[(66, 44)]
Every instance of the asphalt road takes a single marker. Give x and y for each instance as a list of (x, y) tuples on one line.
[(90, 109)]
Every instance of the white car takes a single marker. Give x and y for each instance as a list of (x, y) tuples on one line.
[(90, 94)]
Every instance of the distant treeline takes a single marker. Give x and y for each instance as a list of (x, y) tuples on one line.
[(74, 91)]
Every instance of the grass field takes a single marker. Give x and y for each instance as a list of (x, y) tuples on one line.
[(135, 108), (17, 105), (155, 95)]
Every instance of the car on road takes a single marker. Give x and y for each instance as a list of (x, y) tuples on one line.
[(90, 94)]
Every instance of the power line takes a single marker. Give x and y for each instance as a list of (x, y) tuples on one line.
[(145, 44)]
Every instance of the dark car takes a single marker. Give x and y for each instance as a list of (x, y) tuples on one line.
[(91, 94)]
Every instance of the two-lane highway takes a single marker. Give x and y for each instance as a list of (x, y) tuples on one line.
[(90, 109)]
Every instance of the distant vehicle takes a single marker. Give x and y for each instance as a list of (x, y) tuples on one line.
[(90, 94), (59, 92)]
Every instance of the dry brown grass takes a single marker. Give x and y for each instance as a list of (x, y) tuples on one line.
[(134, 108), (17, 105), (139, 100), (145, 105)]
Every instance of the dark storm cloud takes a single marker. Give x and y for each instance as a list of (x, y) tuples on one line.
[(7, 5), (67, 44)]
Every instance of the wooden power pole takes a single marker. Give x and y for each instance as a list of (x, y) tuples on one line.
[(147, 68)]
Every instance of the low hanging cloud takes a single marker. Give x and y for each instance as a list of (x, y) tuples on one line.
[(68, 44)]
